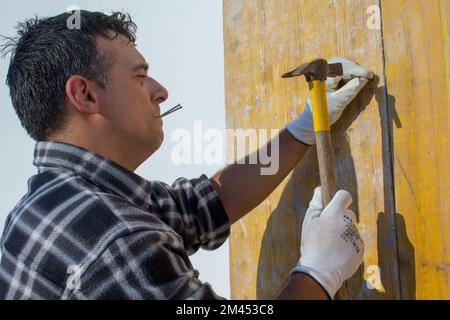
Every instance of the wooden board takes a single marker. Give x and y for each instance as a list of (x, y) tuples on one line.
[(416, 36), (263, 39)]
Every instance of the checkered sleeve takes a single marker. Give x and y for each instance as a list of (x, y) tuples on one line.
[(140, 266), (193, 209)]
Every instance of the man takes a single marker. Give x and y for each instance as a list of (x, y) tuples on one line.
[(89, 228)]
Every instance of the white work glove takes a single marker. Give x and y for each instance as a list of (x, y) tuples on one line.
[(357, 76), (331, 248)]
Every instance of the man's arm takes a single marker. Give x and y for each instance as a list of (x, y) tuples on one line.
[(300, 286), (241, 187), (327, 258)]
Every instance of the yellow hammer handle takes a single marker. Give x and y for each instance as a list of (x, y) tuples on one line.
[(321, 121), (317, 91)]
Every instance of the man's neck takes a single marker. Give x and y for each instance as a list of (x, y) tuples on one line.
[(124, 156)]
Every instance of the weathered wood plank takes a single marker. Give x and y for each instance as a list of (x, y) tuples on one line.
[(416, 38), (263, 39)]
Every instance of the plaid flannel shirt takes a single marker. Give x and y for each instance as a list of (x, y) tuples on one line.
[(90, 229)]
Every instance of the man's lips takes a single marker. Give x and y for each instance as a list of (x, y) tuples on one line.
[(157, 113)]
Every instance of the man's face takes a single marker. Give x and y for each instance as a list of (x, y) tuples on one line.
[(130, 102)]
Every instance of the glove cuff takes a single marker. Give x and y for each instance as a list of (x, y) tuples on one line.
[(330, 285), (300, 134)]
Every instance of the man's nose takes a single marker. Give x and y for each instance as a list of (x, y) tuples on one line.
[(158, 93)]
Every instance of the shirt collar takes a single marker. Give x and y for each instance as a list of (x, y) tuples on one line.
[(100, 171)]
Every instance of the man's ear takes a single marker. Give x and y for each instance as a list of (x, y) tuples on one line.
[(81, 93)]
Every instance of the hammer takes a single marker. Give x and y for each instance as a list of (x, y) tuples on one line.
[(316, 73)]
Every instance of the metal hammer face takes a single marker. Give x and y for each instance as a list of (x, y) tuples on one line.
[(317, 69)]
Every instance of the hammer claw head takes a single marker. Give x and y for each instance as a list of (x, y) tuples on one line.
[(318, 69), (335, 69), (296, 72)]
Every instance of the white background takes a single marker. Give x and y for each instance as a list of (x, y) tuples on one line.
[(183, 43)]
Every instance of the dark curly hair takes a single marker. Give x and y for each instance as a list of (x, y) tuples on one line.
[(46, 53)]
